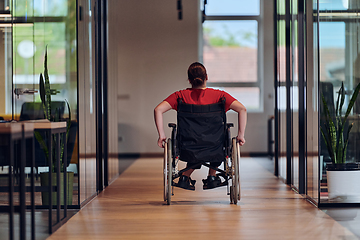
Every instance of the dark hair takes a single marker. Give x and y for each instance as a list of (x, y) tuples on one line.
[(197, 74)]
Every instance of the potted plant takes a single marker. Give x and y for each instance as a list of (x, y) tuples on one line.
[(342, 176), (45, 95)]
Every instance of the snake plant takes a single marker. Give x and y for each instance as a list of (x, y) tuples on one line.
[(45, 96), (335, 126)]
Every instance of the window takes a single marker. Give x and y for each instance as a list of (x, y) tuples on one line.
[(230, 49)]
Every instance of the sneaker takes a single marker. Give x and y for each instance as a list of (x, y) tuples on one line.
[(185, 183), (211, 182)]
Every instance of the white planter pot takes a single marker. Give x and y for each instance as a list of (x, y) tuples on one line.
[(344, 185)]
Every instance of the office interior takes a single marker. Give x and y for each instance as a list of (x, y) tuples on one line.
[(113, 61)]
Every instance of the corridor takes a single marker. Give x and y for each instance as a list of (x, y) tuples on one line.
[(132, 208)]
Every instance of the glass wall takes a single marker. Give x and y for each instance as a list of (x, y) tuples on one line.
[(312, 103), (294, 95), (291, 91), (281, 87), (339, 65), (28, 29), (87, 111), (330, 50)]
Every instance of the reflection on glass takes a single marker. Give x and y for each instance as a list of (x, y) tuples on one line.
[(294, 92), (87, 148), (312, 159)]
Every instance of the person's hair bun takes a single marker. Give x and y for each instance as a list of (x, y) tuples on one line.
[(198, 80), (197, 74)]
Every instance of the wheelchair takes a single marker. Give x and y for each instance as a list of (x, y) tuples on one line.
[(202, 136)]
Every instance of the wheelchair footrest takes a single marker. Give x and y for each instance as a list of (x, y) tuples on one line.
[(214, 184), (185, 183)]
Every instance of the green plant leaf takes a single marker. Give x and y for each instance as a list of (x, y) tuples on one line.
[(347, 141), (337, 106), (342, 95), (331, 131), (42, 95), (47, 86), (327, 143), (42, 88), (339, 149), (67, 131), (69, 120)]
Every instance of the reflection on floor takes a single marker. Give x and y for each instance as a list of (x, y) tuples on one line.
[(132, 208), (349, 218), (41, 224)]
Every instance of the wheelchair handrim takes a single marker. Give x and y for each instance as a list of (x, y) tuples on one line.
[(165, 171)]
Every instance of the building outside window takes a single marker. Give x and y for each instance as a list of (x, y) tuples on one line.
[(230, 49)]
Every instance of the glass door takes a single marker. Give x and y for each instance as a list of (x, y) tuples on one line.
[(6, 88)]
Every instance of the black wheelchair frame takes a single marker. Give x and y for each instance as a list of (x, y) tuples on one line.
[(230, 163)]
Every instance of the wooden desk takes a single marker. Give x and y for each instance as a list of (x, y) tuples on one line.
[(48, 129)]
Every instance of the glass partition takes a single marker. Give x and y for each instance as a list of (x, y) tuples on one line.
[(27, 28), (339, 65), (294, 90), (281, 87), (312, 111), (87, 118)]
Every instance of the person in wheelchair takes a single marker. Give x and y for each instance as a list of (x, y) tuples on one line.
[(199, 94)]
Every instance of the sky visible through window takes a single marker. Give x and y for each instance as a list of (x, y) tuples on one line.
[(232, 32), (233, 7)]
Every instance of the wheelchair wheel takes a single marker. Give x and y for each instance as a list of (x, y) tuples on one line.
[(165, 167), (169, 172), (235, 188)]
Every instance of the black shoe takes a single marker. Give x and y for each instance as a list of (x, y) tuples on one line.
[(186, 183), (212, 182)]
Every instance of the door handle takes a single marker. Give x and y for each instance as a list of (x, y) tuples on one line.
[(23, 91)]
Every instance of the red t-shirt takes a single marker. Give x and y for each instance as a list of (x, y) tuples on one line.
[(200, 97)]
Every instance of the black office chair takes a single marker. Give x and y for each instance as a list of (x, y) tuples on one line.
[(35, 110)]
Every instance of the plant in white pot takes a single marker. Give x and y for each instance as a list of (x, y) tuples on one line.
[(342, 177)]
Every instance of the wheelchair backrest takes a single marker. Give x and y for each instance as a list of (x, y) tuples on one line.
[(201, 132)]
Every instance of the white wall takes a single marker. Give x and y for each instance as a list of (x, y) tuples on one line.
[(153, 52)]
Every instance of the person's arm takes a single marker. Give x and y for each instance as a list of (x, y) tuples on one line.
[(164, 106), (242, 118)]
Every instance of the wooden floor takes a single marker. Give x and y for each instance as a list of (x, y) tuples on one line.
[(132, 208)]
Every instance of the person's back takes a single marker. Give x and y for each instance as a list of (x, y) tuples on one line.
[(199, 94)]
